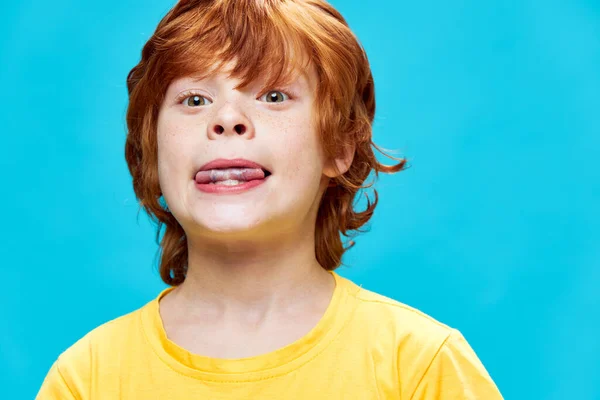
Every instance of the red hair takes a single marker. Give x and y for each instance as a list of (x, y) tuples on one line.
[(273, 38)]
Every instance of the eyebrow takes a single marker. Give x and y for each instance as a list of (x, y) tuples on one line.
[(298, 80)]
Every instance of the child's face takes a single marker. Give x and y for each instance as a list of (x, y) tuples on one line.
[(201, 121)]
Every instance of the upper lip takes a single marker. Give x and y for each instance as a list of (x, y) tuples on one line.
[(222, 163)]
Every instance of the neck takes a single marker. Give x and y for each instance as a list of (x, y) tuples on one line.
[(253, 278)]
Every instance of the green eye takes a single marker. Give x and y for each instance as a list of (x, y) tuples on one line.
[(196, 100), (275, 96)]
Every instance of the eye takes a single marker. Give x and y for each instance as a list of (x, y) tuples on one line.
[(274, 96), (196, 100)]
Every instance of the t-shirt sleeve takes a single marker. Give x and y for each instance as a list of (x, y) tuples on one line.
[(55, 386), (456, 373)]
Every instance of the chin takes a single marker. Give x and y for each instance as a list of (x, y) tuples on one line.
[(230, 221)]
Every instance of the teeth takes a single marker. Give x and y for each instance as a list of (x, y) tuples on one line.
[(229, 182)]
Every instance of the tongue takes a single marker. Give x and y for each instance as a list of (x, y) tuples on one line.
[(238, 174)]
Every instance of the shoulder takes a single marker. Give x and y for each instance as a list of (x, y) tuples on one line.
[(110, 334), (390, 317), (75, 365), (399, 337), (423, 351)]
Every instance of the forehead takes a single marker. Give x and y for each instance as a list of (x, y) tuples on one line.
[(304, 77)]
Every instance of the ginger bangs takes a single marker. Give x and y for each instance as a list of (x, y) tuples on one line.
[(263, 42)]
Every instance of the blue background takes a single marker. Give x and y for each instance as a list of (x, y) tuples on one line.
[(495, 229)]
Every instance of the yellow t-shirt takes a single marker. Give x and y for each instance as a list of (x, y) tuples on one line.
[(366, 346)]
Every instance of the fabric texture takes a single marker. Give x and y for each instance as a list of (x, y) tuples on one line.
[(366, 346)]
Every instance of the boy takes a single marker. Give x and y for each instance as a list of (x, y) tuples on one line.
[(249, 136)]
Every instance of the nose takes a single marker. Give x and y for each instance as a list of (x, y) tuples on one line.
[(230, 121)]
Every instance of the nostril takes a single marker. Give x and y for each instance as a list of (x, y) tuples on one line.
[(218, 129), (239, 129)]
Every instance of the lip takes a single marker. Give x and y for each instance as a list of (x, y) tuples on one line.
[(222, 163)]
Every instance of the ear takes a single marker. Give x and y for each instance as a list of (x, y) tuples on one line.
[(337, 166)]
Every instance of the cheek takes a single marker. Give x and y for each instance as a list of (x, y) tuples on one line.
[(175, 149), (170, 133), (299, 150)]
